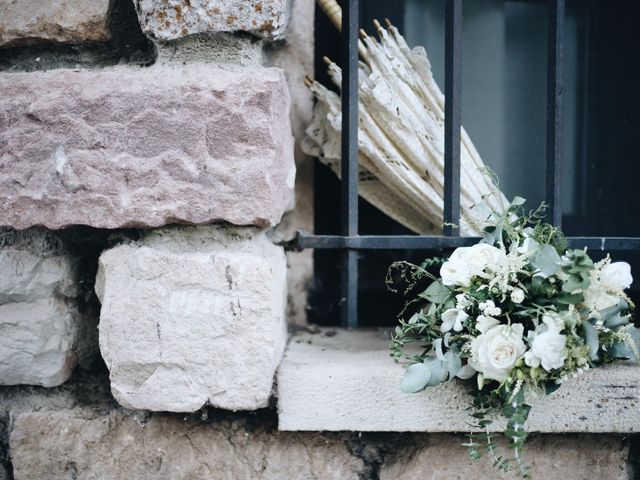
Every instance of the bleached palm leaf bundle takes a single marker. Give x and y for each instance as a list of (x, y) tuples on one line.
[(401, 137)]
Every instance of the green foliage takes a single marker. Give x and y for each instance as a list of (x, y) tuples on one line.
[(547, 260), (437, 293)]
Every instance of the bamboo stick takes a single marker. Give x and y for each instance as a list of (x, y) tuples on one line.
[(334, 12)]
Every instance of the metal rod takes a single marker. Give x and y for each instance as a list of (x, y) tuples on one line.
[(423, 242), (554, 110), (452, 116), (349, 166), (349, 288)]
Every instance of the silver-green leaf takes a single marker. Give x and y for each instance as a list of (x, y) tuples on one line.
[(547, 260), (416, 378)]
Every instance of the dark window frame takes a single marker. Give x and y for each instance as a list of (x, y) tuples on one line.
[(349, 242)]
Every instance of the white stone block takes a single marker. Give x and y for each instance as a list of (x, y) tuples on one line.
[(172, 19), (37, 318), (348, 381), (193, 316)]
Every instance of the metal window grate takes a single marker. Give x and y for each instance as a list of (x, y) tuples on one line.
[(350, 242)]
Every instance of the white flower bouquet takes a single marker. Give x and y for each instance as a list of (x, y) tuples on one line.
[(514, 315)]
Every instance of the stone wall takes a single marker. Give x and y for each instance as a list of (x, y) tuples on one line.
[(149, 170)]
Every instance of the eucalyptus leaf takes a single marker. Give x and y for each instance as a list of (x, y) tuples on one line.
[(614, 310), (576, 281), (466, 372), (620, 350), (566, 298), (615, 321), (517, 201), (550, 387), (439, 372), (626, 350), (416, 378), (437, 345), (436, 292), (547, 260), (591, 337), (454, 364)]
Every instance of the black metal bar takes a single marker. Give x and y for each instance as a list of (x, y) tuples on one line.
[(349, 167), (554, 110), (452, 115), (423, 242)]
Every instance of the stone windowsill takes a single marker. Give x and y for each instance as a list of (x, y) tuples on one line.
[(348, 382)]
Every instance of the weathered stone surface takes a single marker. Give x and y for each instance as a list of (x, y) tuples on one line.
[(172, 19), (193, 316), (348, 381), (85, 444), (223, 50), (295, 57), (29, 22), (145, 147), (38, 317), (570, 457)]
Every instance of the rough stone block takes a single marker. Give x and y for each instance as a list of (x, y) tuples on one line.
[(38, 316), (193, 316), (570, 457), (128, 147), (172, 19), (348, 381), (85, 444), (29, 22)]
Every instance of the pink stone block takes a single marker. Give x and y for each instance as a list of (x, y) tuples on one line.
[(145, 147)]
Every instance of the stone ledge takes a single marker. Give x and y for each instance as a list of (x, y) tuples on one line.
[(347, 381)]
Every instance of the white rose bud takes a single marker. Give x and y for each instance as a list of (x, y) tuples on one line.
[(616, 276), (517, 295)]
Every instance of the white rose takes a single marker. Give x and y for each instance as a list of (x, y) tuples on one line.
[(467, 262), (455, 272), (616, 276), (517, 295), (453, 318), (496, 352), (553, 321), (483, 255), (548, 348)]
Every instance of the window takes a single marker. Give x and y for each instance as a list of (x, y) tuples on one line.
[(504, 104)]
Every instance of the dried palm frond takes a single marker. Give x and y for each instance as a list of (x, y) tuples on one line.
[(400, 136)]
